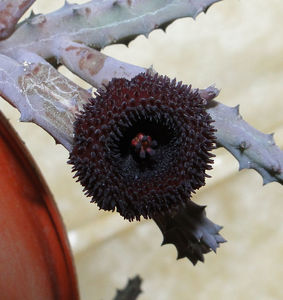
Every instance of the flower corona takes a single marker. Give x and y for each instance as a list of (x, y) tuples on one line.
[(142, 146)]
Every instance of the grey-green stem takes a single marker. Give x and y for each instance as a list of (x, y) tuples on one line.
[(99, 23)]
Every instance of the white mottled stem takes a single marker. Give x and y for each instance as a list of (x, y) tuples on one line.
[(42, 94), (91, 65)]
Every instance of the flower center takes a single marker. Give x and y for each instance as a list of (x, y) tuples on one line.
[(143, 145)]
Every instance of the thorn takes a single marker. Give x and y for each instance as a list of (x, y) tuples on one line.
[(210, 241), (67, 4), (270, 138), (200, 258), (244, 145), (218, 227), (32, 14), (78, 12), (275, 170), (236, 110), (220, 239), (146, 34), (209, 93)]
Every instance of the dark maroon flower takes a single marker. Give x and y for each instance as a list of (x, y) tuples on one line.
[(142, 146)]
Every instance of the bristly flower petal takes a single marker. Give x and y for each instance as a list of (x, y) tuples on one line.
[(142, 146)]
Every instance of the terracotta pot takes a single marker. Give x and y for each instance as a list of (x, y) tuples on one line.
[(35, 257)]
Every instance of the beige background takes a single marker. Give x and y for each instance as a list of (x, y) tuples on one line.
[(238, 45)]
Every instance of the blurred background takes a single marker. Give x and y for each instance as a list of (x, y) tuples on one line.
[(237, 46)]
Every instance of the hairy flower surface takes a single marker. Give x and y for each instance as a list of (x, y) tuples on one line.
[(142, 146)]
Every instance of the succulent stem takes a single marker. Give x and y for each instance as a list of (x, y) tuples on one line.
[(91, 65), (99, 23), (10, 13)]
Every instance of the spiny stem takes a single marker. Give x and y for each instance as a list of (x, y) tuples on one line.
[(99, 23), (42, 94), (10, 13), (252, 148)]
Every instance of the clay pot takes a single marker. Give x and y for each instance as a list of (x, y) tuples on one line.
[(35, 257)]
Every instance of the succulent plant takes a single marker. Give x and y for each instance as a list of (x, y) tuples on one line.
[(142, 144)]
